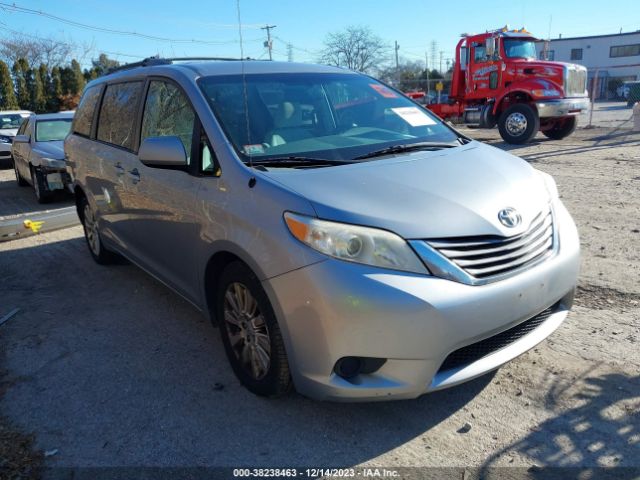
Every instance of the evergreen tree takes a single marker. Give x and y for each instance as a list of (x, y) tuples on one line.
[(67, 81), (20, 74), (79, 81), (55, 90), (8, 99), (38, 98)]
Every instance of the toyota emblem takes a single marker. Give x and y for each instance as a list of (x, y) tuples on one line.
[(509, 217)]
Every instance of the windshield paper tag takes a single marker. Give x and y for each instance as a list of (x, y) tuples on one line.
[(255, 149), (413, 116), (384, 91)]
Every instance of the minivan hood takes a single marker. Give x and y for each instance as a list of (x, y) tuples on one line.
[(447, 193), (53, 149)]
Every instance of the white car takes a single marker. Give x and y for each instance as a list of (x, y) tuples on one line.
[(10, 121)]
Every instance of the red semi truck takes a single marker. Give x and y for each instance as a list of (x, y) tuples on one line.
[(497, 80)]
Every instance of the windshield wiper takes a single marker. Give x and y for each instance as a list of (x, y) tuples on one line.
[(295, 161), (409, 147)]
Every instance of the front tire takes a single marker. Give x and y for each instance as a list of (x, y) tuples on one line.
[(250, 333), (99, 253), (561, 128), (518, 124), (43, 195)]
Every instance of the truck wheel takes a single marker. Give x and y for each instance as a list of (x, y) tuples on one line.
[(561, 128), (250, 333), (518, 124)]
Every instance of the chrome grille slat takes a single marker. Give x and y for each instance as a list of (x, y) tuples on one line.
[(484, 257), (515, 254), (516, 263), (486, 241), (451, 252)]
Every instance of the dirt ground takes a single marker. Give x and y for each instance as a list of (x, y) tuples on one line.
[(108, 368)]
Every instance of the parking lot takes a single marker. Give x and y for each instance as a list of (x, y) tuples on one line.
[(106, 367)]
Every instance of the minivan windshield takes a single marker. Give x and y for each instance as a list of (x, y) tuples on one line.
[(319, 116)]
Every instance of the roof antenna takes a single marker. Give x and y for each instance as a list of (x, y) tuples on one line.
[(252, 180)]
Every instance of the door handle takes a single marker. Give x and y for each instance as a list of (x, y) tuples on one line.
[(134, 175), (119, 169)]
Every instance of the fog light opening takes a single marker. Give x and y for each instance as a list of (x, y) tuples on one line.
[(351, 367)]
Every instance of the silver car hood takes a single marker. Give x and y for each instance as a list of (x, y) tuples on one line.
[(8, 132), (446, 193), (53, 149)]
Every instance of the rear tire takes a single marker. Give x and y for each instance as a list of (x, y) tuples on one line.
[(99, 253), (518, 124), (561, 128), (250, 333), (21, 181)]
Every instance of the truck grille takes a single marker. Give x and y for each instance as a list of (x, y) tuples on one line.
[(488, 256), (575, 81), (475, 351)]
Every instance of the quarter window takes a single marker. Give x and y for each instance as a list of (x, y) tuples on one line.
[(83, 119), (118, 113), (167, 112)]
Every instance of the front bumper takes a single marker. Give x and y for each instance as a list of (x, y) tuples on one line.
[(561, 107), (335, 309), (56, 178)]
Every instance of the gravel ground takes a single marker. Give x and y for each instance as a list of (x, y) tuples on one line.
[(107, 367)]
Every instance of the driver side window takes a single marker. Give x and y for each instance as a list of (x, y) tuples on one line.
[(167, 112), (479, 54)]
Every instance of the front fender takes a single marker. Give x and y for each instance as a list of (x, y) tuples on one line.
[(525, 88)]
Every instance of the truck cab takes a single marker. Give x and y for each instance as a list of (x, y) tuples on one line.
[(498, 79)]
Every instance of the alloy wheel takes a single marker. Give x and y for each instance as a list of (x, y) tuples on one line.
[(91, 230), (516, 124), (247, 330)]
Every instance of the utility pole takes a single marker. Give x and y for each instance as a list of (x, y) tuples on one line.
[(289, 52), (268, 43), (397, 47), (426, 67)]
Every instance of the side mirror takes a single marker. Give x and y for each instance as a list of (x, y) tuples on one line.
[(21, 139), (161, 152), (490, 47), (464, 52)]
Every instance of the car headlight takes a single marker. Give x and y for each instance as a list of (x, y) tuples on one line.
[(352, 243), (52, 162), (545, 93), (5, 139), (550, 184)]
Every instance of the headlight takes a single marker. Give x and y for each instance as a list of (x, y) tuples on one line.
[(545, 93), (550, 184), (52, 162), (352, 243), (5, 139)]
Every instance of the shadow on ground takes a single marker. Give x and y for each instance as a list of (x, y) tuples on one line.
[(134, 375), (602, 431)]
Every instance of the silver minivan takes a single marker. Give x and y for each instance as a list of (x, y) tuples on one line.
[(344, 240)]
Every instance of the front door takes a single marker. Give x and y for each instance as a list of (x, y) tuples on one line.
[(484, 72), (166, 207)]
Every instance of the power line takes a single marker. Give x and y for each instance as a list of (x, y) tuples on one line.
[(269, 42), (29, 11)]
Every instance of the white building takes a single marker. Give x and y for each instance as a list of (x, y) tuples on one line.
[(616, 57)]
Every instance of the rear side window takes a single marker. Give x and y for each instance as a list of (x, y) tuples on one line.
[(118, 113), (83, 119)]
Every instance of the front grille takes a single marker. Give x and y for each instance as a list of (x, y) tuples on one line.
[(488, 256), (475, 351), (576, 82)]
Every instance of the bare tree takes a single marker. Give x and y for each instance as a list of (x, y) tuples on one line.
[(49, 51), (356, 48)]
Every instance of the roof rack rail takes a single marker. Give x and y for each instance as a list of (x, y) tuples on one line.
[(153, 61)]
